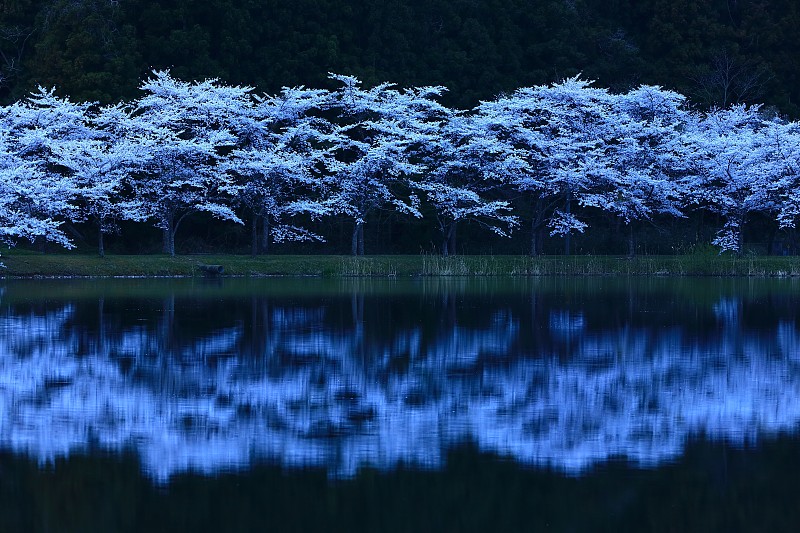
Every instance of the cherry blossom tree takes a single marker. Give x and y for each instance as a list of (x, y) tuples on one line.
[(100, 164), (185, 147), (647, 156), (783, 141), (371, 162), (462, 166), (555, 137), (184, 128), (25, 194), (732, 172), (278, 162), (38, 191)]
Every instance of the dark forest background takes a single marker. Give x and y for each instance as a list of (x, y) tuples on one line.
[(717, 52)]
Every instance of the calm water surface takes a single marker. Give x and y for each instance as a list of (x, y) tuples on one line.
[(399, 404)]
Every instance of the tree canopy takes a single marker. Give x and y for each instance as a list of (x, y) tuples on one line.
[(566, 159)]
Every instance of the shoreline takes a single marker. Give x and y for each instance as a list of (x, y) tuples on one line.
[(32, 265)]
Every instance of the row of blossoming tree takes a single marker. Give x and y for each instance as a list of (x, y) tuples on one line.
[(276, 161)]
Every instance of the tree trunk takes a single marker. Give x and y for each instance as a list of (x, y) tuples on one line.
[(168, 239), (739, 241), (357, 243), (265, 234), (254, 237), (631, 242), (536, 223), (101, 245), (536, 236), (168, 234), (569, 233), (449, 240), (740, 221)]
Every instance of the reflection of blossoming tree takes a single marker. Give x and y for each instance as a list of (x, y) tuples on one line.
[(313, 393)]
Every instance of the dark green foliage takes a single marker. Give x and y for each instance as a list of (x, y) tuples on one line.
[(717, 51), (16, 36), (85, 48)]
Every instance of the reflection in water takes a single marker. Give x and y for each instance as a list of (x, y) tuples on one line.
[(359, 378)]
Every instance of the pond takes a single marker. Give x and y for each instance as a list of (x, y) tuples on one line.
[(408, 404)]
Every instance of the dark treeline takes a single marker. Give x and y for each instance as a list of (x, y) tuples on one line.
[(714, 51)]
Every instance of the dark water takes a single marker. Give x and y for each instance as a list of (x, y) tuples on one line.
[(407, 405)]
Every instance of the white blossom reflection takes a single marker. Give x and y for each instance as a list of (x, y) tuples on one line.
[(306, 393)]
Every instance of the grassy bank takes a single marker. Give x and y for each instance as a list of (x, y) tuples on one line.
[(29, 264)]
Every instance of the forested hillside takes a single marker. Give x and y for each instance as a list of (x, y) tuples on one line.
[(714, 51)]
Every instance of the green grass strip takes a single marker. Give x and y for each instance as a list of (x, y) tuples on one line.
[(27, 264)]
